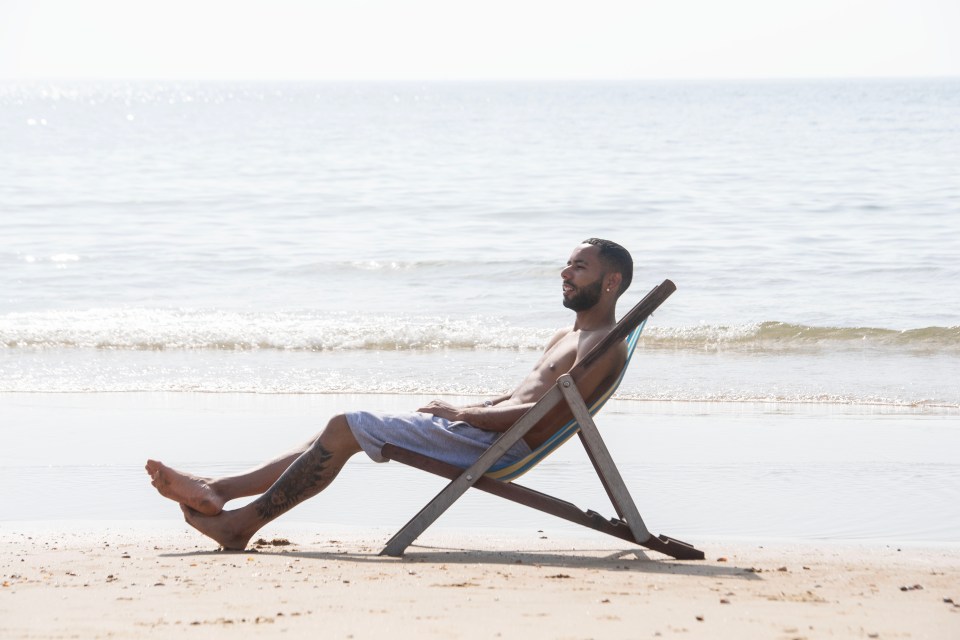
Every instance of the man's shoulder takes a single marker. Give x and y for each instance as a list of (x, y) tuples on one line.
[(598, 334), (594, 337), (559, 335)]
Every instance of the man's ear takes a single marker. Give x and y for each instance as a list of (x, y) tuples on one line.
[(613, 282)]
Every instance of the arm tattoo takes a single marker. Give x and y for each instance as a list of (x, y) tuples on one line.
[(303, 479)]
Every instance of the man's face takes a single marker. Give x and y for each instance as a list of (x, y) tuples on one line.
[(582, 278)]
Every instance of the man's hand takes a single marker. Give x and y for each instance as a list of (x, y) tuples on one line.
[(442, 409)]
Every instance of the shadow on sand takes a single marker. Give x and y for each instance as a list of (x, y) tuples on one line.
[(594, 559)]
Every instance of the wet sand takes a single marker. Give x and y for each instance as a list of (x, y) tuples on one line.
[(713, 470)]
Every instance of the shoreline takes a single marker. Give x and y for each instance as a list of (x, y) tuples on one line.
[(142, 584), (826, 404)]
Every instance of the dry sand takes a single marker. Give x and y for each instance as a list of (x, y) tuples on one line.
[(132, 583)]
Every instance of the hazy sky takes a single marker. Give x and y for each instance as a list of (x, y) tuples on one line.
[(489, 39)]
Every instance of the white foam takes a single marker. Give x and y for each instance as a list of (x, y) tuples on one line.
[(146, 328), (160, 329)]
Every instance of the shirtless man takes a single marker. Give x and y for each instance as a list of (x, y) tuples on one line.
[(597, 273)]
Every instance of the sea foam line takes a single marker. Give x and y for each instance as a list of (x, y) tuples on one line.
[(191, 329), (163, 329)]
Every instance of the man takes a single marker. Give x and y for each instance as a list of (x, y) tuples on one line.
[(597, 273)]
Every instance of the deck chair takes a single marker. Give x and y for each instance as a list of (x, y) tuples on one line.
[(485, 475)]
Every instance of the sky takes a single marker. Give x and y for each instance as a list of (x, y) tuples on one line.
[(476, 40)]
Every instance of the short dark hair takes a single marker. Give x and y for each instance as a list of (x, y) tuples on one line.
[(616, 258)]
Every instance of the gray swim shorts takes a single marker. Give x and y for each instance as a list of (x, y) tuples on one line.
[(456, 443)]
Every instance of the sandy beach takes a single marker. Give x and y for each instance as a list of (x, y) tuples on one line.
[(852, 540), (128, 582)]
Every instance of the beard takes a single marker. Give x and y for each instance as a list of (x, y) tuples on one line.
[(585, 297)]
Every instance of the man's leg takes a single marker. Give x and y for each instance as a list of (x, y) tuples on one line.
[(208, 495), (309, 474)]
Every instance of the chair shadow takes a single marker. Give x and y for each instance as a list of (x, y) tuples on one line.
[(630, 559)]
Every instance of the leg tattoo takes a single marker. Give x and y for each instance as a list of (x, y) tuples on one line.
[(304, 479)]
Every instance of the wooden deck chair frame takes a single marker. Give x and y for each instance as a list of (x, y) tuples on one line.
[(627, 526)]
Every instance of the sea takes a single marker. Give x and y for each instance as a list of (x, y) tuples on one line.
[(272, 239)]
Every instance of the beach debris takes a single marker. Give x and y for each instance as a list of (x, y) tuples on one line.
[(807, 596), (783, 569), (560, 576), (699, 618), (753, 570), (948, 600), (916, 587), (722, 559), (724, 601), (276, 542)]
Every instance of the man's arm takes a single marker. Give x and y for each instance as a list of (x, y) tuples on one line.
[(498, 417), (501, 417), (489, 403), (494, 416)]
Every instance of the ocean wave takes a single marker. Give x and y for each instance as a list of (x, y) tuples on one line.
[(779, 336), (167, 329), (184, 329)]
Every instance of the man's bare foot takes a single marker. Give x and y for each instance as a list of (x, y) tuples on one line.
[(223, 528), (193, 491)]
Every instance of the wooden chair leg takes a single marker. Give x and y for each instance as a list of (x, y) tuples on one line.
[(545, 503)]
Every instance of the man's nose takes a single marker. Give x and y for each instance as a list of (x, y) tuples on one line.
[(564, 273)]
